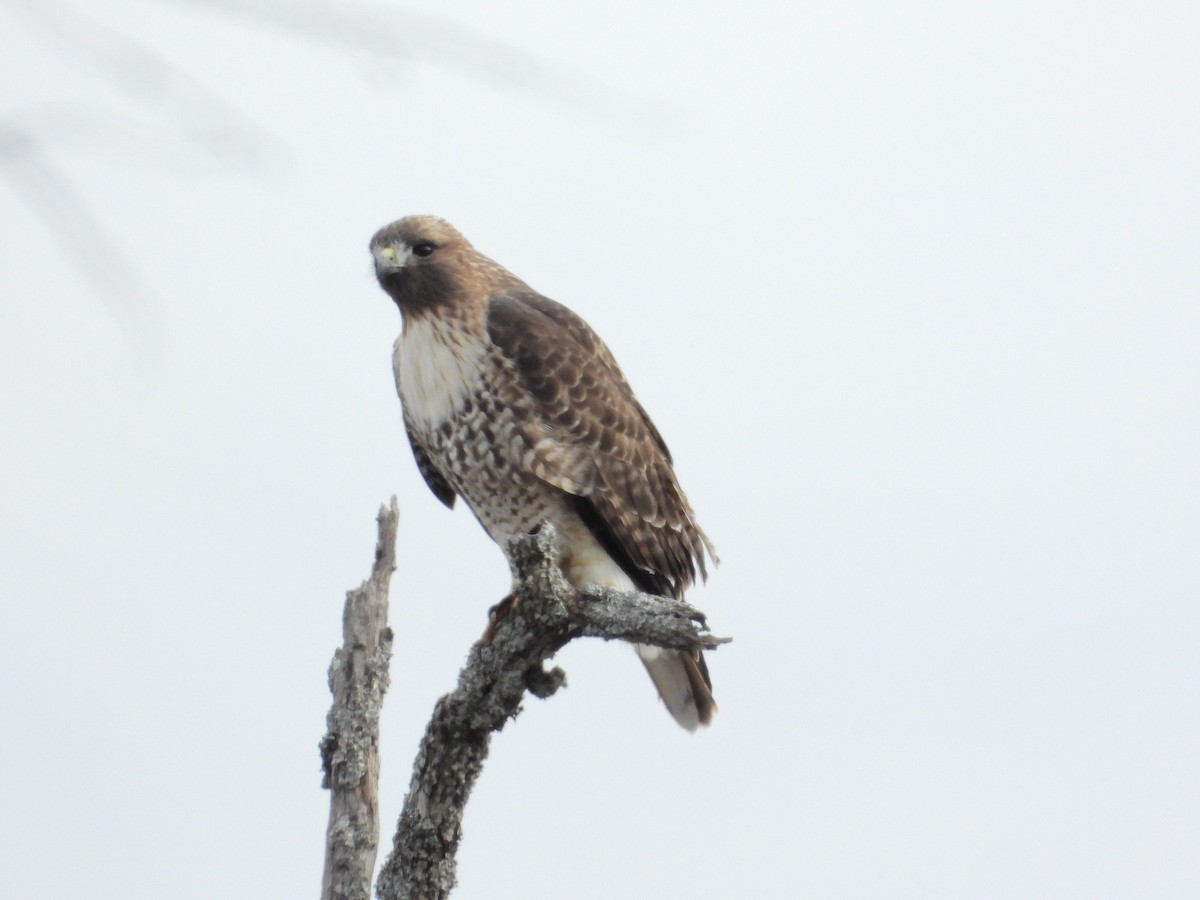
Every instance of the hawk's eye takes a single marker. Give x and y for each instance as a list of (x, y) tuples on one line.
[(422, 249)]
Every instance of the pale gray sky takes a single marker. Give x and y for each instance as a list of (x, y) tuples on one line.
[(912, 290)]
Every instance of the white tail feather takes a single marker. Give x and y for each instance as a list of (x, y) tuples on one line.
[(670, 677)]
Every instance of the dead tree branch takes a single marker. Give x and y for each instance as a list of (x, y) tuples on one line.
[(549, 613), (358, 678)]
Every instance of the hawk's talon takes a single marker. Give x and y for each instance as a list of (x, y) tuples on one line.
[(496, 615)]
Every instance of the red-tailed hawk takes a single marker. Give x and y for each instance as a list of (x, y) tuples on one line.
[(514, 404)]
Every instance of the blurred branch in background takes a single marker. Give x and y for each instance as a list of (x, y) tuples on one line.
[(402, 35), (82, 239), (184, 118), (202, 118)]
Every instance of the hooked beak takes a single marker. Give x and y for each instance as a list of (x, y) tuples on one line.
[(390, 259)]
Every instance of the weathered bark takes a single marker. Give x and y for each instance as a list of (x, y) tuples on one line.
[(548, 614), (358, 679)]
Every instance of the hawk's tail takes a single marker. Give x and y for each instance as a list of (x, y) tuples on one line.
[(681, 678)]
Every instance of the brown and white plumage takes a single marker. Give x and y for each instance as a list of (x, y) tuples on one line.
[(513, 403)]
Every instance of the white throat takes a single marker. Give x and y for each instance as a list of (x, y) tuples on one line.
[(437, 364)]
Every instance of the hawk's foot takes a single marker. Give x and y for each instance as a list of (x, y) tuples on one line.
[(498, 614)]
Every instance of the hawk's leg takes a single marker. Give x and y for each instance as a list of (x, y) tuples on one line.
[(498, 614)]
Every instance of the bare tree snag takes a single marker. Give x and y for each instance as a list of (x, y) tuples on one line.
[(358, 679), (548, 614)]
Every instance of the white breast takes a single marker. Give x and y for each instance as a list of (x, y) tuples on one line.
[(437, 367)]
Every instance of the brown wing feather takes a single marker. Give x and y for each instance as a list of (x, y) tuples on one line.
[(593, 440), (433, 477)]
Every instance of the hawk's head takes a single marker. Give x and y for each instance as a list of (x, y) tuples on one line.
[(416, 259)]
